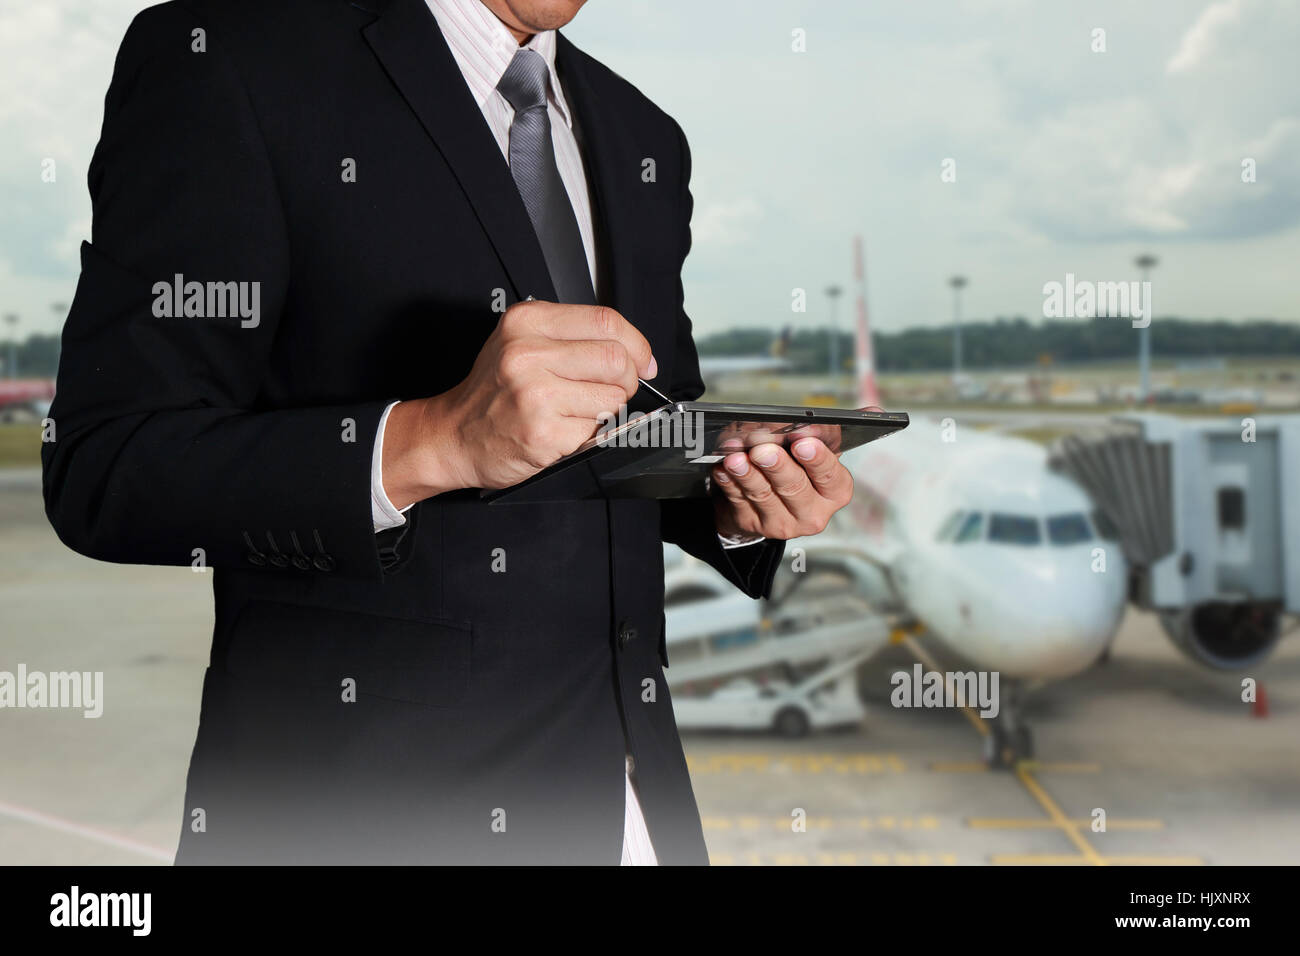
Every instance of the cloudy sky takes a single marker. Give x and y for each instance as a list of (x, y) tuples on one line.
[(1066, 159)]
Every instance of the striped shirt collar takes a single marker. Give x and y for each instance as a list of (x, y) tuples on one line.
[(483, 48)]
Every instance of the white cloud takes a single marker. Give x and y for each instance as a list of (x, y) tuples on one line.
[(725, 223), (1199, 40)]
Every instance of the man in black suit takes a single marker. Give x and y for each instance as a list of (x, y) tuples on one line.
[(287, 359)]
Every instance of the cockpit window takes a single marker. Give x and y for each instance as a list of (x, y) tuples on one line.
[(1068, 529), (972, 529), (1014, 529), (949, 526)]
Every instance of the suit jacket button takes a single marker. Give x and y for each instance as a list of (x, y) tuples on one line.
[(323, 562), (626, 634)]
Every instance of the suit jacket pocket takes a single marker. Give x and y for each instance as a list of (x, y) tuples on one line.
[(422, 662)]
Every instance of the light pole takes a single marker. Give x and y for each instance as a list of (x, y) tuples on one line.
[(958, 283), (833, 293), (1146, 262)]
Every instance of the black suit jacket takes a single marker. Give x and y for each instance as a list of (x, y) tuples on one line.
[(493, 706)]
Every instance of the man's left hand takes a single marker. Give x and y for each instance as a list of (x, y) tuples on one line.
[(769, 492)]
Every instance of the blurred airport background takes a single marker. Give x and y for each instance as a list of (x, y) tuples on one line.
[(1098, 499)]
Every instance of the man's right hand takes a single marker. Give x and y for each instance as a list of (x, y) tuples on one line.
[(537, 391)]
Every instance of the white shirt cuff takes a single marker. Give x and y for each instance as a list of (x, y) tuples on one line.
[(382, 512), (730, 542)]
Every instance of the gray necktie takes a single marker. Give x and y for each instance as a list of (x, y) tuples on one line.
[(532, 163)]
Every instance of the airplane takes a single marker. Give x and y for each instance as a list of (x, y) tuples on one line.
[(973, 537), (25, 396)]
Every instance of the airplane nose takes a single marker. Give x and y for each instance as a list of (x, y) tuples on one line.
[(1061, 616)]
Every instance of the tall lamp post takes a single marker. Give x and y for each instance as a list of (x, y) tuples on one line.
[(958, 283), (833, 293), (1146, 262)]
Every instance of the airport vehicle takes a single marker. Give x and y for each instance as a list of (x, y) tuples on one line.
[(787, 664), (24, 398)]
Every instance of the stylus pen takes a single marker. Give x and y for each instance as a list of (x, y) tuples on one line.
[(647, 385), (644, 384)]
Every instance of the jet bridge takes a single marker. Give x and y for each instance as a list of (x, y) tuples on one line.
[(1207, 514)]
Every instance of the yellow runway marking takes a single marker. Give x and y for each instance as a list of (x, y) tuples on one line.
[(826, 858), (1046, 859), (1038, 859), (1154, 861), (1024, 773), (821, 823), (842, 763), (993, 823), (1048, 767), (1047, 803)]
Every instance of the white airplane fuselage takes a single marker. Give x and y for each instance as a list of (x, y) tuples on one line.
[(995, 554)]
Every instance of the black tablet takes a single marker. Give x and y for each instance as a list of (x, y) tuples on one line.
[(667, 453)]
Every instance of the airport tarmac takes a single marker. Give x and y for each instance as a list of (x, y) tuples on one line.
[(1182, 768)]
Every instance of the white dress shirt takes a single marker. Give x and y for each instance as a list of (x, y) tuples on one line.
[(483, 48)]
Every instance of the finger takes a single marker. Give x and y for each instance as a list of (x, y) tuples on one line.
[(728, 487), (790, 482), (829, 435), (742, 512), (829, 478), (591, 401), (767, 504), (591, 360), (595, 322)]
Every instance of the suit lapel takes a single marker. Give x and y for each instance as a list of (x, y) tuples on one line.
[(611, 165), (408, 43)]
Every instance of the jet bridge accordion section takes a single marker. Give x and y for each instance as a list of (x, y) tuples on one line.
[(1128, 478), (1205, 511)]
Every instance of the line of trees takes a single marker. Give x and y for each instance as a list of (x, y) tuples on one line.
[(36, 357), (999, 343), (1018, 342)]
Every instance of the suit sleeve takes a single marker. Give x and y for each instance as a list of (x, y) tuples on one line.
[(167, 449), (689, 523)]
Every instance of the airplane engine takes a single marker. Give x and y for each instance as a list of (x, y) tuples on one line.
[(1224, 636)]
